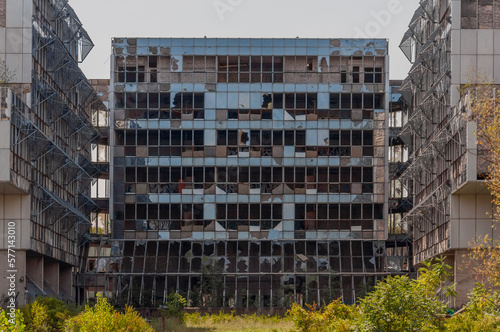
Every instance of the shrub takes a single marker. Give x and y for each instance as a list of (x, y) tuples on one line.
[(47, 314), (222, 317), (37, 318), (403, 304), (482, 313), (6, 326), (396, 304), (175, 305), (334, 317), (103, 318)]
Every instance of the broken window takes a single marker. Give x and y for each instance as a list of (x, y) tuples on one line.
[(289, 137), (186, 224), (223, 69), (267, 69), (379, 101), (289, 100), (334, 100), (357, 100), (278, 69), (355, 74), (254, 69), (311, 63), (244, 69)]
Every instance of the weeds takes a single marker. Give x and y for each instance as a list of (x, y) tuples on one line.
[(231, 322)]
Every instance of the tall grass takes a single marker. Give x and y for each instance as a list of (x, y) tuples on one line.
[(173, 325), (231, 322)]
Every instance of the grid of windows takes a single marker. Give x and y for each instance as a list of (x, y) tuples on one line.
[(255, 278), (270, 180), (251, 69), (252, 161)]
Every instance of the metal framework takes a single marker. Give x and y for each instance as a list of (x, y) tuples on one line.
[(434, 131)]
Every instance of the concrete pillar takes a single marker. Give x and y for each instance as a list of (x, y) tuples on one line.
[(51, 274), (34, 269), (465, 279), (66, 281)]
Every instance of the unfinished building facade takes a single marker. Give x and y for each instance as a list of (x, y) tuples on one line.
[(92, 277), (45, 136), (399, 245), (448, 42), (247, 172)]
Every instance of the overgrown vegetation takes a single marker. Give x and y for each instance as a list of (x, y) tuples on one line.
[(396, 304), (482, 313), (403, 304), (231, 322), (483, 107), (174, 307), (104, 318), (47, 314), (334, 317), (5, 324)]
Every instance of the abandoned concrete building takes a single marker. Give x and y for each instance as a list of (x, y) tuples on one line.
[(91, 269), (247, 172), (399, 245), (448, 42), (45, 148)]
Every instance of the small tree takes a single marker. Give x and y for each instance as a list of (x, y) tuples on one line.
[(483, 106), (37, 317), (212, 284), (103, 318), (403, 304), (175, 305)]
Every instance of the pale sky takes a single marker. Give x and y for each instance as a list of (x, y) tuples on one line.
[(105, 19)]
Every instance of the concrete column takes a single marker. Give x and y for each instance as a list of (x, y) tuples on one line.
[(465, 279), (66, 281), (51, 274), (34, 269)]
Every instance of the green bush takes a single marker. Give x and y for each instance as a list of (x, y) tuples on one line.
[(103, 318), (5, 324), (482, 313), (175, 305), (334, 317), (222, 317), (403, 304), (47, 314), (37, 318), (397, 304)]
